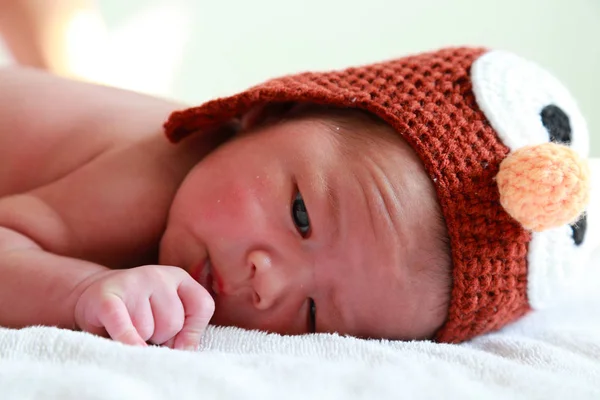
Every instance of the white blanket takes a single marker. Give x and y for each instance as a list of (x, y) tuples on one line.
[(553, 354)]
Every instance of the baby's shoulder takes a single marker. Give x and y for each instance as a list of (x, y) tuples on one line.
[(51, 126), (86, 170)]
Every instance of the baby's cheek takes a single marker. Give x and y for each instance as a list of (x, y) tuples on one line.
[(231, 213), (209, 197)]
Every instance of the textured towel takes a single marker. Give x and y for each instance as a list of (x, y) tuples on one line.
[(558, 363)]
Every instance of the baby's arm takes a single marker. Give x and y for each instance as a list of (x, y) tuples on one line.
[(160, 304), (85, 184), (37, 287)]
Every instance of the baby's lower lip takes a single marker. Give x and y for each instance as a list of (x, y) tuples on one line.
[(205, 278)]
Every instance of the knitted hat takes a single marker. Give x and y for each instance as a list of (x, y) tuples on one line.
[(492, 132)]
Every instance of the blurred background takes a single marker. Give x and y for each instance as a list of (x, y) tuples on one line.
[(194, 50)]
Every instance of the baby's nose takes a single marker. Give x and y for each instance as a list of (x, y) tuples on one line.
[(544, 186), (270, 282)]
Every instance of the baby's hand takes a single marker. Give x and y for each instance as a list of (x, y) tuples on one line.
[(153, 303)]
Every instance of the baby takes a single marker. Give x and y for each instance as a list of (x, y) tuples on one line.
[(318, 220), (370, 202)]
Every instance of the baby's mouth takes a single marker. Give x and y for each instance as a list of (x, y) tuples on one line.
[(206, 278)]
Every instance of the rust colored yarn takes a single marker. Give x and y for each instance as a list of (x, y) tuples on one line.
[(428, 100)]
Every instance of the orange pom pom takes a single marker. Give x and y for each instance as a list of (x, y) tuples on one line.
[(544, 186)]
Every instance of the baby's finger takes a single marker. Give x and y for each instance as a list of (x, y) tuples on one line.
[(199, 307), (168, 315), (114, 316), (143, 320)]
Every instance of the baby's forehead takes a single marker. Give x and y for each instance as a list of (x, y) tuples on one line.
[(356, 129), (358, 138)]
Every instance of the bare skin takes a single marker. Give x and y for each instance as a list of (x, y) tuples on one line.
[(360, 264), (98, 232), (86, 182)]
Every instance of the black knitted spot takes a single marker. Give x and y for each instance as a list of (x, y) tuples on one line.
[(579, 229), (557, 124)]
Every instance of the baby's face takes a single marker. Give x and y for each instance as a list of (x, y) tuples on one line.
[(294, 230)]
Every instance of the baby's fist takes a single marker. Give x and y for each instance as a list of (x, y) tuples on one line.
[(152, 303)]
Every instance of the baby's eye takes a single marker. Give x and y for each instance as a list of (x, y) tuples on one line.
[(300, 215), (312, 316)]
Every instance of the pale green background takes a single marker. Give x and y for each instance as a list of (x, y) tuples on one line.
[(237, 43), (197, 49)]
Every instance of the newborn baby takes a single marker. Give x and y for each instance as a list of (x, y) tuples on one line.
[(322, 220), (413, 199)]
